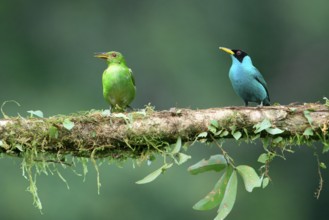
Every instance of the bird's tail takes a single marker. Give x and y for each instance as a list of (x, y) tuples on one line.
[(266, 102)]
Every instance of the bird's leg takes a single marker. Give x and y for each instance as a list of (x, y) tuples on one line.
[(261, 104)]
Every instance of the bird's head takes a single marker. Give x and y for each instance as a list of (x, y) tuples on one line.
[(111, 57), (235, 53)]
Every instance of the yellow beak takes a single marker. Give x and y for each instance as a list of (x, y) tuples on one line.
[(227, 50), (101, 55)]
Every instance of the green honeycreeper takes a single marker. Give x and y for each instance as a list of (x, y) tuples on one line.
[(246, 80), (118, 81)]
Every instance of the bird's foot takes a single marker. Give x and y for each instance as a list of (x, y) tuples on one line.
[(260, 105)]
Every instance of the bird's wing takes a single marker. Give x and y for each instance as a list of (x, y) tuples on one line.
[(258, 76), (132, 76)]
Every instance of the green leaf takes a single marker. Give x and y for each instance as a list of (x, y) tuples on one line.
[(323, 165), (266, 181), (177, 146), (212, 129), (308, 117), (262, 126), (37, 113), (19, 147), (68, 124), (249, 176), (308, 132), (274, 131), (325, 147), (266, 142), (224, 133), (263, 158), (4, 145), (203, 134), (152, 176), (216, 163), (215, 197), (53, 132), (237, 135), (182, 158), (229, 198), (214, 123), (277, 140), (255, 137)]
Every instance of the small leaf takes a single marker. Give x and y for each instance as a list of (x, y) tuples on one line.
[(37, 113), (224, 133), (215, 196), (212, 129), (323, 165), (274, 131), (308, 132), (266, 142), (266, 181), (218, 132), (214, 123), (232, 127), (277, 140), (53, 132), (229, 198), (249, 176), (325, 147), (263, 158), (68, 124), (4, 145), (308, 116), (152, 176), (177, 146), (237, 135), (19, 147), (262, 126), (203, 134), (216, 163), (182, 158), (255, 137)]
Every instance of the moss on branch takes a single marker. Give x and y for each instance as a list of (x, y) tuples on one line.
[(132, 134)]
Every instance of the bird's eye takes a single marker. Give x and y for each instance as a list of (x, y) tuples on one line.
[(238, 53), (114, 54)]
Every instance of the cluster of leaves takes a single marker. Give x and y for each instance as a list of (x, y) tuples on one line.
[(175, 155), (224, 192)]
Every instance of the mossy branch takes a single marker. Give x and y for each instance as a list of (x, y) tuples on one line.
[(132, 134)]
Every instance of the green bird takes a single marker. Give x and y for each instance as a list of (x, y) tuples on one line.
[(118, 81)]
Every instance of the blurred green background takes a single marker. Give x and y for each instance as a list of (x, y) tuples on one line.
[(46, 63)]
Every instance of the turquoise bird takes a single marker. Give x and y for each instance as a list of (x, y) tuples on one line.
[(247, 81), (118, 81)]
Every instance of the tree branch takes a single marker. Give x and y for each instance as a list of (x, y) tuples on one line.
[(132, 134)]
